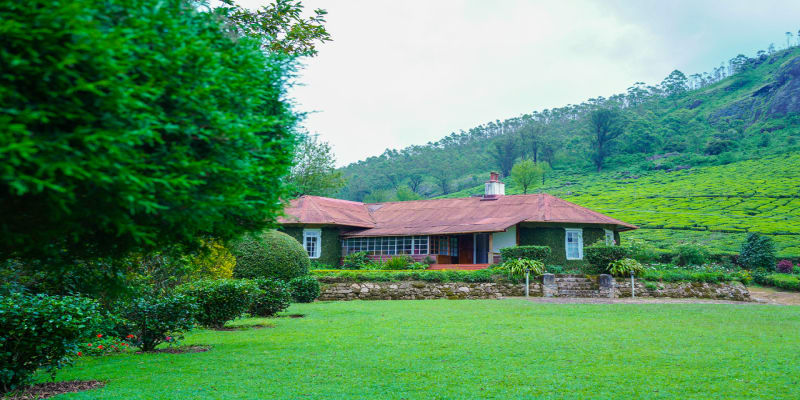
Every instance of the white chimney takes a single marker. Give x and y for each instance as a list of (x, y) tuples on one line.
[(494, 188)]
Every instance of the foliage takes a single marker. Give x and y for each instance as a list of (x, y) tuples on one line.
[(481, 275), (139, 138), (151, 318), (103, 345), (690, 254), (600, 256), (783, 281), (625, 267), (274, 297), (785, 266), (221, 300), (429, 260), (698, 275), (640, 250), (40, 331), (213, 261), (757, 252), (280, 25), (520, 266), (605, 125), (355, 260), (527, 173), (269, 254), (539, 253), (417, 265), (314, 172), (304, 289), (398, 262)]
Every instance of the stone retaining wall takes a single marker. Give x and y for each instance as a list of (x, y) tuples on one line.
[(550, 286)]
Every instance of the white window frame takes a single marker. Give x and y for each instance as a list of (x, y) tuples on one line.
[(609, 237), (579, 232), (313, 233)]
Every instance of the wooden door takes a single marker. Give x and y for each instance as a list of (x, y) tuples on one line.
[(465, 249)]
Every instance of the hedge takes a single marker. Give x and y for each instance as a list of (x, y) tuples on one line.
[(481, 275), (679, 275), (783, 281), (600, 255), (539, 253)]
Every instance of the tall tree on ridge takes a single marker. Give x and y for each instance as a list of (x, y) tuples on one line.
[(504, 151), (605, 125)]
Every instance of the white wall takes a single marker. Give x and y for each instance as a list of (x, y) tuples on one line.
[(504, 239)]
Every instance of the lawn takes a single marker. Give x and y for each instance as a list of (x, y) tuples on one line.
[(506, 349)]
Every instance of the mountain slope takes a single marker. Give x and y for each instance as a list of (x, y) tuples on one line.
[(708, 164)]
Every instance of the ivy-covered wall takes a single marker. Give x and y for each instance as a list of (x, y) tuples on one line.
[(331, 251), (553, 236)]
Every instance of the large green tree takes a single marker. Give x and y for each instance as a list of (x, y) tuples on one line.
[(605, 125), (132, 126), (527, 173), (314, 171)]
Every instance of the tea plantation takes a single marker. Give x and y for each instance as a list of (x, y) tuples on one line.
[(712, 205)]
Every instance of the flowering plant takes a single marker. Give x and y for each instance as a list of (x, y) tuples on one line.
[(101, 345)]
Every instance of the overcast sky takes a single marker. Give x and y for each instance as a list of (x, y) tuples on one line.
[(408, 72)]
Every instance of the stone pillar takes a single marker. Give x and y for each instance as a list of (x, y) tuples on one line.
[(606, 284), (549, 287)]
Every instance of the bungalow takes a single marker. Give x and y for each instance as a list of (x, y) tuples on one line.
[(468, 230)]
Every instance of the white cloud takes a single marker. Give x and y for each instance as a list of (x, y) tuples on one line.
[(403, 73)]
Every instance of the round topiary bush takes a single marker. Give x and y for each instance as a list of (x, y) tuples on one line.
[(269, 254), (305, 289)]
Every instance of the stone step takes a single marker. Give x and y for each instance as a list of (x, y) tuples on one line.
[(574, 280), (578, 293), (578, 286)]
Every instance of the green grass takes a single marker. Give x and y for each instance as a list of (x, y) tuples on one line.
[(509, 349)]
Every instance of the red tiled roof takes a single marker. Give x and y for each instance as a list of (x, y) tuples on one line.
[(442, 216), (324, 210)]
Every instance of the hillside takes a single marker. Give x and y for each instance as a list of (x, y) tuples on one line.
[(714, 205), (705, 164)]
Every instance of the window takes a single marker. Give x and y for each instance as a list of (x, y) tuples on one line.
[(387, 245), (574, 244), (454, 246), (311, 241), (610, 237)]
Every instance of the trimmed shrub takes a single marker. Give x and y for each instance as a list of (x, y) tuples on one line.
[(757, 252), (625, 267), (600, 255), (153, 318), (39, 331), (221, 300), (785, 267), (355, 260), (275, 297), (398, 262), (690, 254), (481, 275), (683, 275), (305, 289), (269, 254), (783, 281), (539, 253)]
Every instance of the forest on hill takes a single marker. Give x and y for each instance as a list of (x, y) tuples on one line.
[(683, 145)]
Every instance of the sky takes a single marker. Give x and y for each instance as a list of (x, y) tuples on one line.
[(399, 73)]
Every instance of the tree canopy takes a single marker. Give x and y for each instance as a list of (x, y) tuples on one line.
[(129, 127)]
